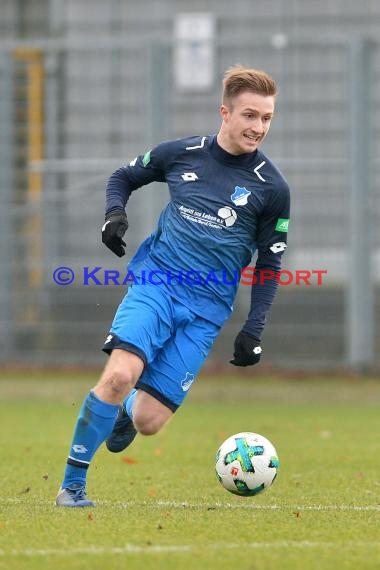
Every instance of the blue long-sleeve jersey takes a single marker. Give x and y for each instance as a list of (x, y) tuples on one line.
[(222, 209)]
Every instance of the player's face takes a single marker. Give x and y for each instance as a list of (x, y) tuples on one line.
[(245, 122)]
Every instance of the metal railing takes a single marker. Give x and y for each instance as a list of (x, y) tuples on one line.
[(83, 109)]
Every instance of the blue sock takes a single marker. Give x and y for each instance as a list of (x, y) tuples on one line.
[(129, 401), (95, 422)]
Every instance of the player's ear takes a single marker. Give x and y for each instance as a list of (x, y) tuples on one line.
[(224, 112)]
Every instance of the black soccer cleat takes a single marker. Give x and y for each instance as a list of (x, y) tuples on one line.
[(123, 433)]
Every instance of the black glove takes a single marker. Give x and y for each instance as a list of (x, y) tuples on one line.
[(115, 226), (247, 350)]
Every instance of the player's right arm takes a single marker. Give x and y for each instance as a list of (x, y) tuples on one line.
[(142, 170)]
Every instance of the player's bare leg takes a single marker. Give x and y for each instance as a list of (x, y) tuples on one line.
[(120, 375), (95, 422), (149, 416)]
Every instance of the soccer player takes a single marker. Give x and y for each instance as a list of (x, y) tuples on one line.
[(227, 200)]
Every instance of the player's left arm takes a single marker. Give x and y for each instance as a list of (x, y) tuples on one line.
[(271, 243)]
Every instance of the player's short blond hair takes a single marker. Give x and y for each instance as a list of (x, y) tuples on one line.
[(238, 79)]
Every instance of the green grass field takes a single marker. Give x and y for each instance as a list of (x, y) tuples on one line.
[(159, 504)]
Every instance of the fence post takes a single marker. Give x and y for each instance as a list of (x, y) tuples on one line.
[(360, 287), (7, 245), (159, 91), (158, 114)]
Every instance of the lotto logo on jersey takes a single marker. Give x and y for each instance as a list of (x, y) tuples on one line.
[(278, 247), (189, 176)]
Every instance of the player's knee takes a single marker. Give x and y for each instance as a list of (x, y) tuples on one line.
[(120, 375), (147, 425), (117, 382)]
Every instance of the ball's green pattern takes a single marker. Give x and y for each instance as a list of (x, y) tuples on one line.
[(243, 453)]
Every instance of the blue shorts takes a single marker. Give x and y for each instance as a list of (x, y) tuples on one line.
[(172, 341)]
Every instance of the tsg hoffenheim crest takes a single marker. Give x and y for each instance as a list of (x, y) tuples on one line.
[(240, 196), (187, 381)]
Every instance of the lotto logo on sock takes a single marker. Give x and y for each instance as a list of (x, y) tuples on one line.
[(80, 449)]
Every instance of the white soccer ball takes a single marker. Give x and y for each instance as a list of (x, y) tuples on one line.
[(228, 215), (246, 464)]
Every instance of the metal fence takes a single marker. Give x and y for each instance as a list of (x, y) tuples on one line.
[(71, 114)]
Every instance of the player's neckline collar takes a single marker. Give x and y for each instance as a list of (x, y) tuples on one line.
[(234, 160)]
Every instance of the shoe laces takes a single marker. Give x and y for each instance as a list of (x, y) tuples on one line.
[(77, 493)]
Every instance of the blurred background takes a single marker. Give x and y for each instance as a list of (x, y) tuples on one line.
[(85, 86)]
